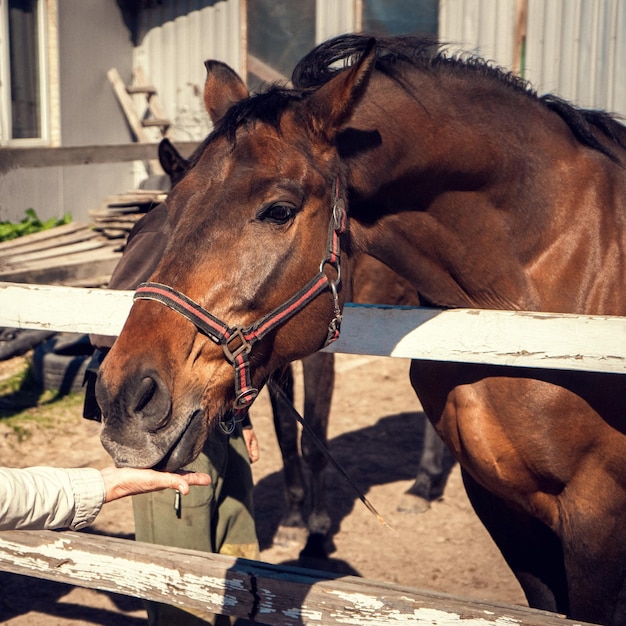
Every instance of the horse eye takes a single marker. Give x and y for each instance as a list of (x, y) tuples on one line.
[(278, 213)]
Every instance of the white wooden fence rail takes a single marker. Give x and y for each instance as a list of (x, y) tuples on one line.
[(523, 339), (278, 595), (269, 594)]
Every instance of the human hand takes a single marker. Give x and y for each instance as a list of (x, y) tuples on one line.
[(252, 444), (129, 481)]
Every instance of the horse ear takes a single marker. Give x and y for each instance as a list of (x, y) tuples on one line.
[(222, 88), (174, 164), (331, 105)]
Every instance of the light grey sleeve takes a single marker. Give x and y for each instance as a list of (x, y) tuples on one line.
[(38, 498)]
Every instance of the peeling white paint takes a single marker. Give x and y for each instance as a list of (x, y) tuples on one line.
[(360, 600), (139, 576), (302, 615), (198, 582)]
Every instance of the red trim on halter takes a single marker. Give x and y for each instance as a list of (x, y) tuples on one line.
[(222, 334)]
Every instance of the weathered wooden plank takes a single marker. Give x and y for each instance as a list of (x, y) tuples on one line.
[(75, 268), (13, 158), (264, 593), (41, 237), (133, 199), (514, 338), (54, 254), (56, 240)]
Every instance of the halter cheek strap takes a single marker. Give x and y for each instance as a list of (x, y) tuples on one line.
[(237, 341)]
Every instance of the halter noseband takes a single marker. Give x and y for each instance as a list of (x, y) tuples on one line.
[(237, 341)]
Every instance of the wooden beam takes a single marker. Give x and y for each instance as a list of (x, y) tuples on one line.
[(267, 594), (513, 338), (154, 106), (127, 104), (519, 36), (14, 158)]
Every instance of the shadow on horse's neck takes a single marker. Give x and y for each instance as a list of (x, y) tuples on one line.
[(443, 269)]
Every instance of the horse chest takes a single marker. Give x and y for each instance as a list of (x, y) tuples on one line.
[(484, 422)]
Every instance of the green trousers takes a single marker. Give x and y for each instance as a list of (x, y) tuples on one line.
[(218, 518)]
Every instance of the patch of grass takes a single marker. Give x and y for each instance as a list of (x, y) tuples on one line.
[(25, 406)]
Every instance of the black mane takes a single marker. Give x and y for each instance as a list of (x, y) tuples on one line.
[(426, 53), (330, 57), (392, 56)]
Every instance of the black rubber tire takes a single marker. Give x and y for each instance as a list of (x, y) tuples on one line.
[(64, 373), (15, 342)]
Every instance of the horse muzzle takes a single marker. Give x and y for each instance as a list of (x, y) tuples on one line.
[(139, 428)]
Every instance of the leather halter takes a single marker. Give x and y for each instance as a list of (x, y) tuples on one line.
[(237, 341)]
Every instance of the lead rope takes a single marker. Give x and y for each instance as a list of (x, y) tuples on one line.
[(325, 451)]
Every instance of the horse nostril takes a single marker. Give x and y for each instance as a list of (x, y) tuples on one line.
[(151, 402), (145, 391)]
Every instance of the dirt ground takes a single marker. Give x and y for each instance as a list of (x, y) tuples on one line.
[(375, 433)]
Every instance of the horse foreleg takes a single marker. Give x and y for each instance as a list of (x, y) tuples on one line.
[(432, 474), (319, 379), (593, 535), (292, 526), (531, 549)]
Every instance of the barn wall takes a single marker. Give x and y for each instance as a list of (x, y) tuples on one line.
[(483, 27), (335, 18), (207, 29), (175, 38), (91, 39), (574, 48), (577, 49)]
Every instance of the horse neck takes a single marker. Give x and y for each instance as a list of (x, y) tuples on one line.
[(459, 204), (421, 126)]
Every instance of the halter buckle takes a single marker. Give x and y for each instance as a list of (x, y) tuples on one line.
[(245, 398), (244, 345), (339, 213)]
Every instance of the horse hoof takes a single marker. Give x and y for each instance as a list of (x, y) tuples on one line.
[(290, 536), (413, 505)]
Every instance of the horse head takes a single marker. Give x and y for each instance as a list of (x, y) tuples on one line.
[(250, 278)]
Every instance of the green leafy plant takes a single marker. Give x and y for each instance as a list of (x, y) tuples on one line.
[(30, 224)]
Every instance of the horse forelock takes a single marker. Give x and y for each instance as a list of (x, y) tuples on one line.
[(267, 107)]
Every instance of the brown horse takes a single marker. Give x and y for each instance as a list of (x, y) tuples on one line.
[(372, 282), (477, 192)]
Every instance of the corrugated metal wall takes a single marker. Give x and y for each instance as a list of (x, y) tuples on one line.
[(175, 37), (574, 48), (483, 27), (333, 17), (577, 49)]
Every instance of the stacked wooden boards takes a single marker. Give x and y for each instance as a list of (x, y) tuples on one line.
[(77, 254)]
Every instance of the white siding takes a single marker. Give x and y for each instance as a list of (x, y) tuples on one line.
[(574, 48), (172, 49), (483, 27), (335, 17), (577, 48)]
